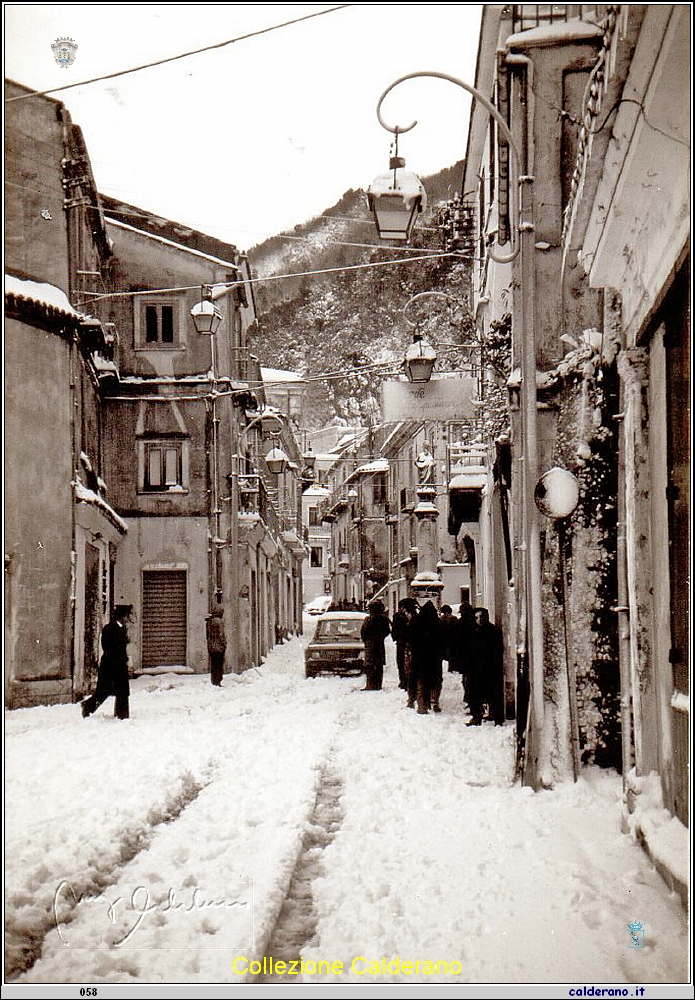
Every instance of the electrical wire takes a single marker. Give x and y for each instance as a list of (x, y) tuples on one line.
[(182, 55), (101, 296)]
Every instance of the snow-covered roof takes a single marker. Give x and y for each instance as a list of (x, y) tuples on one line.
[(40, 292), (378, 465), (271, 375), (170, 243), (317, 491), (468, 481)]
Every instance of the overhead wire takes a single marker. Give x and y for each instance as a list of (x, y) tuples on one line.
[(101, 296), (181, 55)]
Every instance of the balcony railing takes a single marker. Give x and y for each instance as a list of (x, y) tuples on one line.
[(528, 15), (462, 458)]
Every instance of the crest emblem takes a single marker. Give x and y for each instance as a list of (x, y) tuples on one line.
[(636, 934), (64, 50)]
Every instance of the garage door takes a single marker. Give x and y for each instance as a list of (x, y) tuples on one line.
[(164, 618)]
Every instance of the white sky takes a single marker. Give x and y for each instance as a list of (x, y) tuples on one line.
[(247, 140)]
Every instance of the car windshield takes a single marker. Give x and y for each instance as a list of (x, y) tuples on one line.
[(338, 628)]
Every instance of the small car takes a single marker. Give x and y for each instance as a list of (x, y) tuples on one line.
[(337, 646), (318, 606)]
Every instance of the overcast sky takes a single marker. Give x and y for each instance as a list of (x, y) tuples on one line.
[(252, 138)]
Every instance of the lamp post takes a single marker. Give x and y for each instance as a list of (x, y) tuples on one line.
[(521, 245), (206, 319)]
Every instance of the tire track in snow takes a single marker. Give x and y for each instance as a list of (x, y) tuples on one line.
[(296, 923), (24, 940)]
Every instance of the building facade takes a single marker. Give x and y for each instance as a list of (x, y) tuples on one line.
[(139, 452), (583, 232), (62, 533)]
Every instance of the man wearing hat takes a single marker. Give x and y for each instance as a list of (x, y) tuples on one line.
[(113, 668)]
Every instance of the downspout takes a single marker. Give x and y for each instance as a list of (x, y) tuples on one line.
[(534, 739), (68, 207), (623, 608)]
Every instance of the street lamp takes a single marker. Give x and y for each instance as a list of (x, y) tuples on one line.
[(205, 314), (522, 246), (396, 199), (206, 319), (420, 359), (402, 205)]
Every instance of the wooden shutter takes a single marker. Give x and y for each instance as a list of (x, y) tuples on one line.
[(164, 618)]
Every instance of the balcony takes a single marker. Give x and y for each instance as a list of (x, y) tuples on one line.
[(527, 16)]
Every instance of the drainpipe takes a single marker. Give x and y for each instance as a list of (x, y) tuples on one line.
[(69, 207), (623, 607), (531, 516)]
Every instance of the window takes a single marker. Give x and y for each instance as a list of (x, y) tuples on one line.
[(314, 517), (379, 489), (163, 466), (316, 557), (159, 323)]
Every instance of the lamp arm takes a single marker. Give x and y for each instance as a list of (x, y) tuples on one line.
[(499, 258), (261, 416)]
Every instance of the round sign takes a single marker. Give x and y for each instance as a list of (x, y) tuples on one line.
[(557, 493)]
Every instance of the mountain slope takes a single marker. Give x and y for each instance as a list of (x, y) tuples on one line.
[(341, 306)]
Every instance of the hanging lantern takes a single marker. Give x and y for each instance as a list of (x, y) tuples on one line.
[(277, 461), (396, 199), (419, 361), (205, 314)]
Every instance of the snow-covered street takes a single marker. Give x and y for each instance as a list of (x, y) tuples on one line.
[(161, 849)]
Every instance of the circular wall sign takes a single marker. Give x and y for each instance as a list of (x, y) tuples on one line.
[(557, 493)]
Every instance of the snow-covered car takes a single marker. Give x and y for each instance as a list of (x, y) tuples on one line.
[(337, 646), (319, 605)]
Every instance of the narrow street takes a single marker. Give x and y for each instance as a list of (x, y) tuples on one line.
[(279, 817)]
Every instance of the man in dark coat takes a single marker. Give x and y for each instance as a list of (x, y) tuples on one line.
[(375, 628), (113, 668), (427, 654), (459, 661), (486, 681), (217, 644), (400, 631)]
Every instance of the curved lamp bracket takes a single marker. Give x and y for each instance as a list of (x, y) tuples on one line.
[(500, 258), (421, 295)]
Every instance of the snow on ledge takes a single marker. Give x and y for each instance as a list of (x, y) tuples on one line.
[(83, 495), (666, 839), (550, 34)]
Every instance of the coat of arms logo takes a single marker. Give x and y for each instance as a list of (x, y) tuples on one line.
[(636, 934), (64, 50)]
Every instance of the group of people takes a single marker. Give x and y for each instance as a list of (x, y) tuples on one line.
[(471, 645)]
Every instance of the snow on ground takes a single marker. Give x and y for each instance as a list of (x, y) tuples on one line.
[(160, 849)]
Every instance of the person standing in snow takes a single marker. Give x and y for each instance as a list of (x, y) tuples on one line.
[(400, 631), (427, 654), (459, 658), (112, 678), (375, 628), (217, 644), (486, 677)]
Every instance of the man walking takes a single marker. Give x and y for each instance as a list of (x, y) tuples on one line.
[(113, 668)]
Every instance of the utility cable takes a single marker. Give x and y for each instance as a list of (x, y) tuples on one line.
[(182, 55)]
